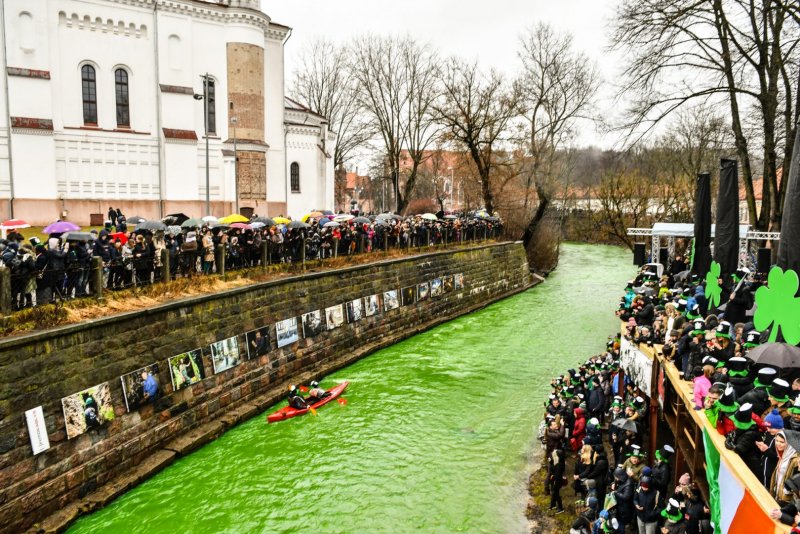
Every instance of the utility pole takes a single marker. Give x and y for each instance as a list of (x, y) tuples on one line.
[(205, 123)]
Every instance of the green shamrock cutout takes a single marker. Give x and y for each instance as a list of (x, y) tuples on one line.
[(777, 306), (713, 289)]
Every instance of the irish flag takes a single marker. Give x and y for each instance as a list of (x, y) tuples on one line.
[(733, 508)]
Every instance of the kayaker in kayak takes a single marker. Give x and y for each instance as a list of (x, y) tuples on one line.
[(296, 400), (316, 393)]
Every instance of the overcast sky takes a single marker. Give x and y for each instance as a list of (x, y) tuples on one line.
[(484, 30)]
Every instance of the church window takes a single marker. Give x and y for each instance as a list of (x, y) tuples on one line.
[(123, 104), (294, 173), (89, 88)]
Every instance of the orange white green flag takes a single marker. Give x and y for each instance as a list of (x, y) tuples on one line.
[(733, 508)]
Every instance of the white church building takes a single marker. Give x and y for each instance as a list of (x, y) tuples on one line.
[(104, 103)]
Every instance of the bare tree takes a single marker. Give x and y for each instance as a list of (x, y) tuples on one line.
[(740, 53), (324, 84), (397, 81), (475, 111), (557, 88)]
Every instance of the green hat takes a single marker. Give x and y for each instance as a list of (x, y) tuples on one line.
[(737, 366), (765, 377), (727, 402), (752, 339), (698, 326), (779, 390), (636, 451), (665, 453), (723, 330), (743, 418), (795, 408), (672, 511)]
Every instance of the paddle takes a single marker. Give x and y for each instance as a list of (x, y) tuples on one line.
[(313, 411)]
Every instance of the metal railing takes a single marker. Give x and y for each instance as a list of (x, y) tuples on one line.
[(24, 288)]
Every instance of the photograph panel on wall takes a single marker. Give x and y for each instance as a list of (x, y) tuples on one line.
[(407, 295), (186, 369), (334, 316), (87, 409), (312, 324), (423, 291), (458, 281), (140, 386), (370, 305), (448, 283), (225, 354), (390, 300), (257, 342), (355, 310), (286, 331), (437, 288)]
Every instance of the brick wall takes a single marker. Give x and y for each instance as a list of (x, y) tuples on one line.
[(246, 89), (75, 476)]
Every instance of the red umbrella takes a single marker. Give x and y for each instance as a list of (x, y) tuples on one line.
[(13, 224), (119, 235)]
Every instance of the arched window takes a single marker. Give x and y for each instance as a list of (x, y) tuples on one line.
[(294, 174), (89, 88), (123, 105), (211, 127)]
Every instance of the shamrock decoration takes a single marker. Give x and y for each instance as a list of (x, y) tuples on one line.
[(777, 306), (713, 289)]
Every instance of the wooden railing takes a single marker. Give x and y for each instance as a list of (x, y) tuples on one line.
[(687, 425)]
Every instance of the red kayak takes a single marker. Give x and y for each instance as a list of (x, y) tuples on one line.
[(288, 412)]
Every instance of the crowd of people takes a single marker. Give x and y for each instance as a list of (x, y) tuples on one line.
[(59, 267), (600, 424)]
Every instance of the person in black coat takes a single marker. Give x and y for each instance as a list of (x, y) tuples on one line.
[(556, 465), (740, 301), (645, 501), (623, 490), (744, 437), (661, 473), (598, 472), (759, 395), (57, 266)]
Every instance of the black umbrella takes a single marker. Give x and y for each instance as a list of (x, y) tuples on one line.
[(361, 220), (298, 224), (175, 219), (625, 424), (780, 355), (266, 220), (135, 220), (78, 236), (151, 226)]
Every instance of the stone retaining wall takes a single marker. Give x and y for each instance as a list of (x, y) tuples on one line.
[(48, 491)]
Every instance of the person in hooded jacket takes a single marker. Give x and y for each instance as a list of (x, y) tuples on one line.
[(623, 490), (578, 429), (786, 467)]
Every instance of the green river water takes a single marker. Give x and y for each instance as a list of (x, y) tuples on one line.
[(437, 435)]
